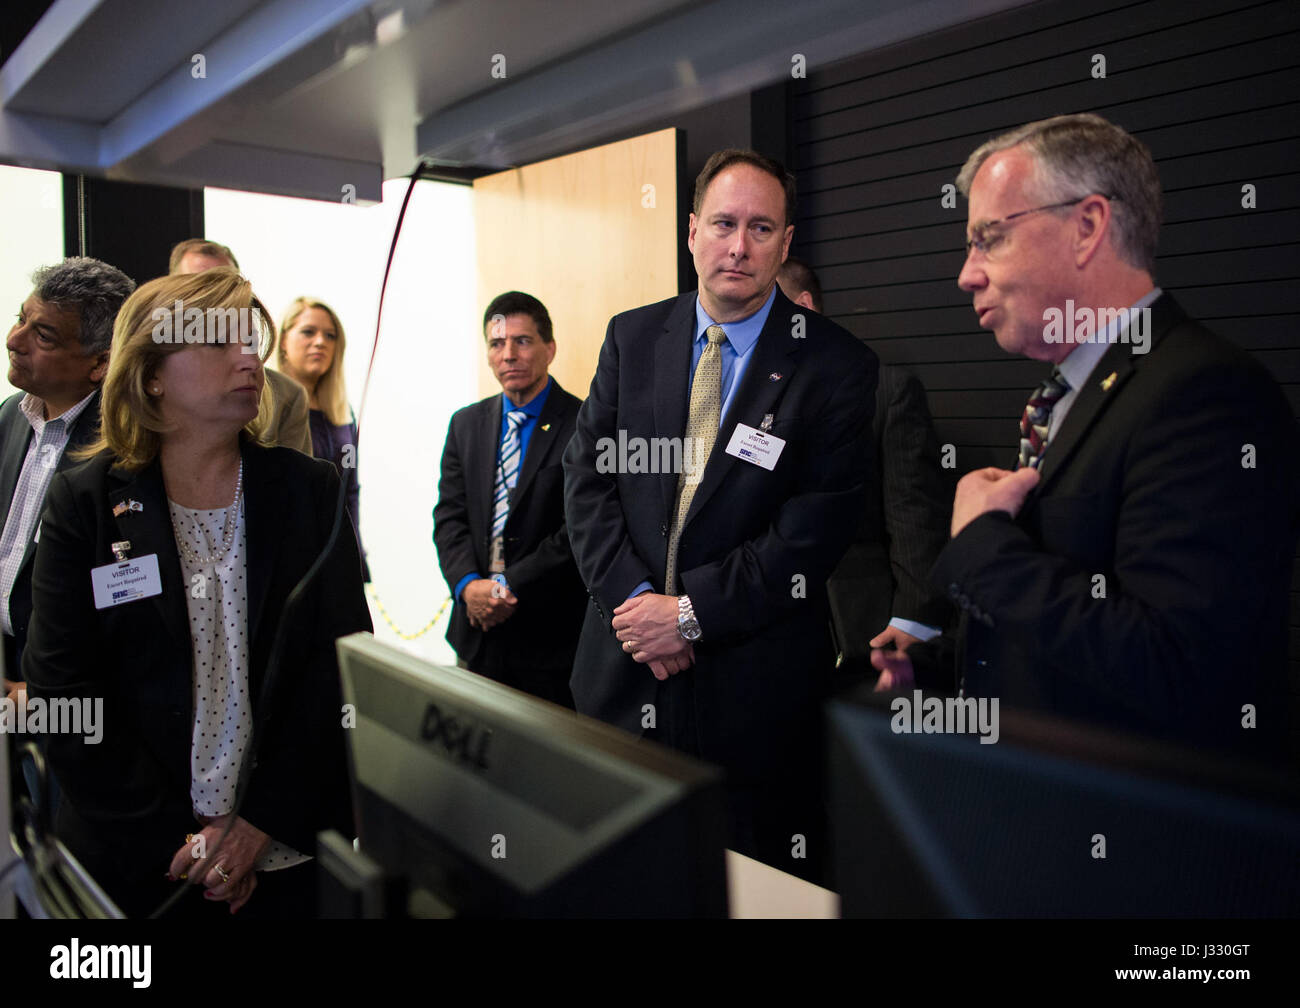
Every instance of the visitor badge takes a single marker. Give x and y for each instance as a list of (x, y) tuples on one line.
[(755, 446), (118, 583)]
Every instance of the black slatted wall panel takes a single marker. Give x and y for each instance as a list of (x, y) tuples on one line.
[(1212, 88)]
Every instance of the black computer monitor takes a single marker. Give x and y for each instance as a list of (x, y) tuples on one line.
[(490, 802), (943, 825)]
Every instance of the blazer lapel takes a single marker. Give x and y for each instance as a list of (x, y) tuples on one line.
[(17, 436), (84, 431), (540, 444), (1110, 375), (265, 506), (766, 378), (488, 433), (672, 363), (139, 506)]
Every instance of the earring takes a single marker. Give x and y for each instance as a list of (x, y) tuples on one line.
[(156, 390)]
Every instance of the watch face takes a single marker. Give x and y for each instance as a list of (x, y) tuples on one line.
[(690, 629)]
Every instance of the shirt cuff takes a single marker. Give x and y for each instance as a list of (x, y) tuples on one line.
[(919, 630), (644, 586), (460, 585)]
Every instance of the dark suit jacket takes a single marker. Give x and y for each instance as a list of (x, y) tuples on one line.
[(1144, 484), (885, 573), (757, 546), (126, 801), (539, 640), (15, 437)]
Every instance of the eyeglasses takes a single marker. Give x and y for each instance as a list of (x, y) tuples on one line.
[(987, 237)]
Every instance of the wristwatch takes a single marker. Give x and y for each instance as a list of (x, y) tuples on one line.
[(687, 625)]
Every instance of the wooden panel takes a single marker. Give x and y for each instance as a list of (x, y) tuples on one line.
[(578, 232)]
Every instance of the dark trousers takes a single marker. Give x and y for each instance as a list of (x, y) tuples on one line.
[(546, 683), (780, 818)]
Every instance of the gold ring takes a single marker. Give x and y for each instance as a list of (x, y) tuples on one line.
[(222, 872)]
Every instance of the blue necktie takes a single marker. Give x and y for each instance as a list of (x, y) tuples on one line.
[(507, 471)]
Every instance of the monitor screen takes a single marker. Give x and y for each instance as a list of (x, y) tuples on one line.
[(1047, 818)]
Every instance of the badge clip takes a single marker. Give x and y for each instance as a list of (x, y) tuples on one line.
[(766, 425), (119, 549)]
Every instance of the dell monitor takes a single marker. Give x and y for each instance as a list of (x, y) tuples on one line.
[(487, 802)]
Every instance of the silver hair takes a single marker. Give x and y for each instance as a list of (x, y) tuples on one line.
[(1080, 154), (94, 289)]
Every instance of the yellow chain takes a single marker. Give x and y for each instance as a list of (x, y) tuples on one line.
[(370, 590)]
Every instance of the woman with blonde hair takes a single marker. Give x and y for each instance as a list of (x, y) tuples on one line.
[(161, 578), (311, 353)]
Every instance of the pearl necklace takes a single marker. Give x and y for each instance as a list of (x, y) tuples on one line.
[(228, 537)]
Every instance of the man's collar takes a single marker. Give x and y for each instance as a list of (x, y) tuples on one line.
[(1081, 361), (742, 335), (1083, 358), (33, 408)]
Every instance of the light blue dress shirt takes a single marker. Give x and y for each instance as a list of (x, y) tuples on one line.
[(737, 351)]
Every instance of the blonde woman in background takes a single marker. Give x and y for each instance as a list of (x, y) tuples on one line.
[(311, 353)]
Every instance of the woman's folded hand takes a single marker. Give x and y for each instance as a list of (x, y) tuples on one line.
[(225, 865)]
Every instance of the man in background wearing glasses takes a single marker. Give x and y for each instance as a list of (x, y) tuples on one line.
[(1132, 569)]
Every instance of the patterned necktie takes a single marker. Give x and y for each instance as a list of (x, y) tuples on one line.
[(701, 432), (1038, 417), (507, 472)]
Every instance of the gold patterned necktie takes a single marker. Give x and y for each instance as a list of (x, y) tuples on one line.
[(701, 432)]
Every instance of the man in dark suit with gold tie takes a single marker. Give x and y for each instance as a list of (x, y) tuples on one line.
[(707, 628), (499, 523)]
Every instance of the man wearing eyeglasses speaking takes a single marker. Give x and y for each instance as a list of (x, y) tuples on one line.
[(1132, 569)]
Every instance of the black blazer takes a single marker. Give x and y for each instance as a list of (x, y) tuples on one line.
[(1174, 478), (543, 633), (15, 438), (126, 801), (757, 546), (905, 523)]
